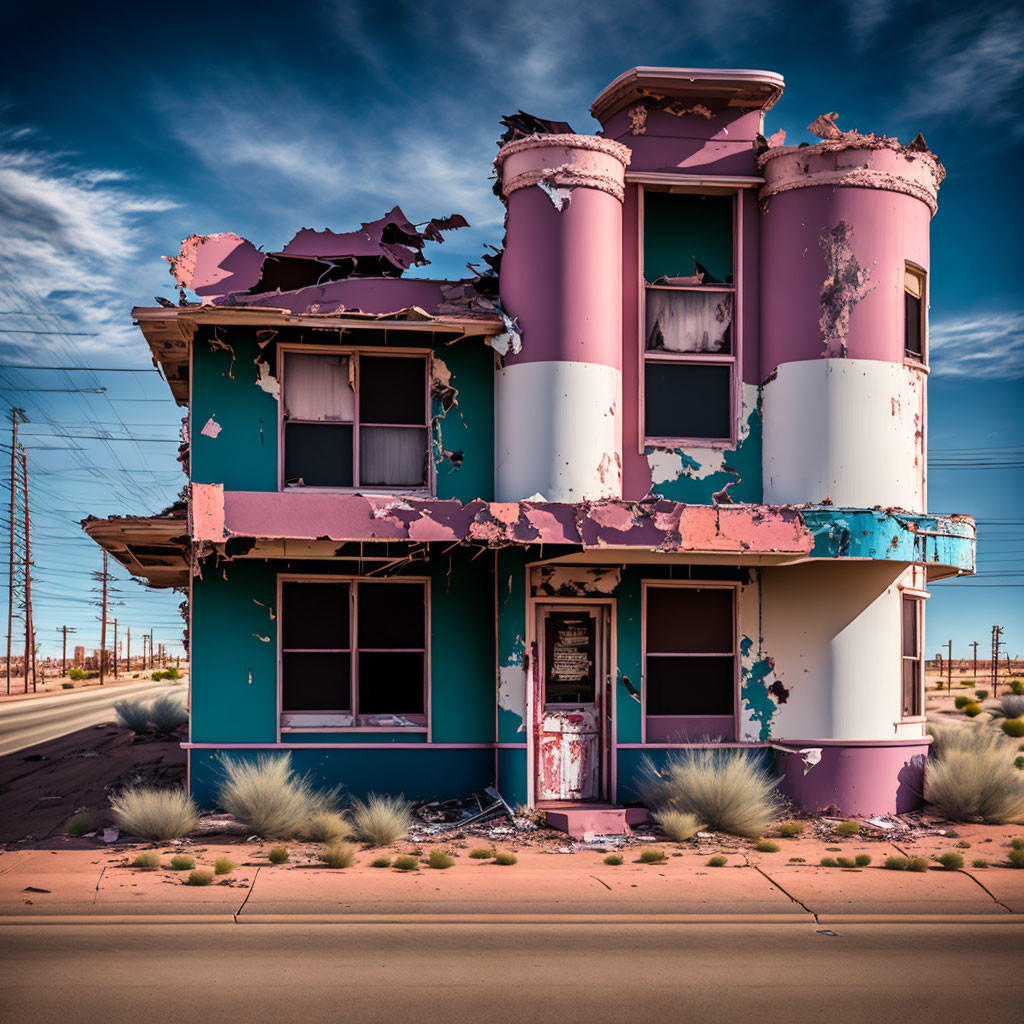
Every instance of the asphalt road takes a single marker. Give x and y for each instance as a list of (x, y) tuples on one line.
[(507, 972), (23, 723)]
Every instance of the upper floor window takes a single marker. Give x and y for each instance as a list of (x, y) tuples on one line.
[(689, 362), (355, 419), (914, 306)]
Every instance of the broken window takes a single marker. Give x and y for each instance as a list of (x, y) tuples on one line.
[(355, 419), (353, 654), (913, 615), (689, 662), (913, 312), (689, 310)]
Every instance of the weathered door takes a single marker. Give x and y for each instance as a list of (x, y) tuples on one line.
[(569, 699)]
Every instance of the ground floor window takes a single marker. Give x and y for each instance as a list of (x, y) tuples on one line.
[(689, 662), (353, 653), (913, 615)]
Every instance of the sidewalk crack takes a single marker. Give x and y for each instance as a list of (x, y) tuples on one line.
[(989, 891), (252, 885), (799, 903), (96, 891)]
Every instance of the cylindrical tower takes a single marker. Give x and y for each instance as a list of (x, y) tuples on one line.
[(844, 249), (557, 400)]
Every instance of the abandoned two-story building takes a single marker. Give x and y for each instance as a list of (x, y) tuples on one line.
[(656, 480)]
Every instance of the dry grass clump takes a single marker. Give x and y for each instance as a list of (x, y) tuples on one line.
[(967, 784), (482, 853), (972, 710), (917, 864), (182, 862), (224, 866), (767, 846), (146, 861), (862, 860), (613, 860), (951, 861), (327, 827), (979, 862), (505, 859), (167, 712), (440, 860), (199, 878), (158, 814), (846, 828), (895, 863), (677, 825), (1016, 858), (381, 820), (268, 797), (651, 856), (829, 862), (969, 739), (718, 861), (407, 863), (727, 789), (132, 714), (380, 862), (1010, 705), (278, 855), (80, 823), (338, 855), (1014, 727), (846, 862), (790, 829)]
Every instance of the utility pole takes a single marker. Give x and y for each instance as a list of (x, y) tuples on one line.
[(974, 645), (949, 667), (103, 621), (10, 574), (128, 658), (30, 639), (115, 646), (996, 644), (64, 648), (152, 663)]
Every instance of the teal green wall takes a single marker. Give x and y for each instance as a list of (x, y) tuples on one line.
[(243, 457), (679, 229), (627, 643)]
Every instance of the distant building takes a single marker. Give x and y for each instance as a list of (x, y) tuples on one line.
[(79, 659), (655, 480)]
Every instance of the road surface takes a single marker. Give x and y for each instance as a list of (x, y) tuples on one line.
[(23, 723), (507, 972)]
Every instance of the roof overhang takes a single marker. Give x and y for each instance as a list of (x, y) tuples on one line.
[(153, 547), (169, 330), (732, 87)]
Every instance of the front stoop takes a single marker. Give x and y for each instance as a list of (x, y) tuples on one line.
[(588, 820)]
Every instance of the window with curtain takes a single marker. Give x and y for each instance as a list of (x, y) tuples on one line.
[(355, 419), (353, 654), (689, 304), (913, 612)]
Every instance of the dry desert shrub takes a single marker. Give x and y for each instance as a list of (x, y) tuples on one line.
[(381, 820), (678, 825), (158, 814), (969, 784)]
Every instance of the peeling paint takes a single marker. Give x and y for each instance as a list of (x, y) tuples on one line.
[(761, 690), (559, 196), (211, 428), (512, 682), (846, 284), (266, 381), (575, 581), (510, 340)]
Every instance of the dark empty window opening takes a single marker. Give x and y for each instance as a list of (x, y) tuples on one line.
[(689, 311), (690, 657), (353, 654), (353, 419), (912, 642), (914, 313)]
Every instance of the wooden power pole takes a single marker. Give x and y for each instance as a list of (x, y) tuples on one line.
[(10, 573), (152, 662), (128, 654), (30, 639), (115, 646), (974, 645), (949, 667), (996, 644), (103, 621), (64, 648)]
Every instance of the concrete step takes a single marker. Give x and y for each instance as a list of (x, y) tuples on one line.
[(585, 820)]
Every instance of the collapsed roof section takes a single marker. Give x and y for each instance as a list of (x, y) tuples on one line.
[(320, 279), (226, 269)]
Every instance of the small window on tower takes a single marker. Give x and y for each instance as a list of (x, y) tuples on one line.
[(914, 313)]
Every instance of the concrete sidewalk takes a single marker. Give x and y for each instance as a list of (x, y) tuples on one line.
[(46, 885)]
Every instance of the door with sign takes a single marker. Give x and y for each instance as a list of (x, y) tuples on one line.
[(569, 700)]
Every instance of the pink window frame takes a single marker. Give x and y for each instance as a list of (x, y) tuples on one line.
[(646, 585), (734, 360), (354, 352), (353, 582)]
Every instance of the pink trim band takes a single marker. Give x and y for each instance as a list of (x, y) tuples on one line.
[(352, 746)]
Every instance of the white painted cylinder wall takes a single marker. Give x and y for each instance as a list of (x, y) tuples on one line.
[(557, 431), (834, 632), (851, 430)]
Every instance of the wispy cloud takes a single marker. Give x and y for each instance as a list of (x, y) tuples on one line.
[(71, 237), (987, 346), (971, 65)]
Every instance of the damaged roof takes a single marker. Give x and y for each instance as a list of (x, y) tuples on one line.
[(153, 547)]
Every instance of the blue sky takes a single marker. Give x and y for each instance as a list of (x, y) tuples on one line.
[(122, 132)]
